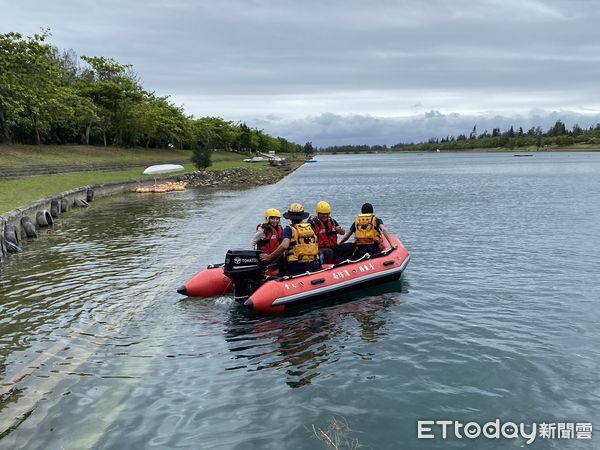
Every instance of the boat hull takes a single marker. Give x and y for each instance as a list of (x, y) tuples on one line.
[(280, 293), (277, 295), (210, 282)]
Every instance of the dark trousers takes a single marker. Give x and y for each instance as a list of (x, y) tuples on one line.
[(326, 255), (293, 268), (362, 250), (343, 251)]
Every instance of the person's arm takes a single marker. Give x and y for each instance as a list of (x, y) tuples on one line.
[(346, 236), (277, 253), (337, 228), (387, 236), (260, 235)]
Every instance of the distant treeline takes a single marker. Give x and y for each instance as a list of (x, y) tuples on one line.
[(509, 139), (48, 96)]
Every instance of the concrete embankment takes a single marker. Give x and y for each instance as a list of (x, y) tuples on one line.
[(27, 222)]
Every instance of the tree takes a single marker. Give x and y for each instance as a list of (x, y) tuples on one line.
[(113, 89), (47, 95), (201, 155), (245, 138), (29, 82), (558, 129), (216, 132), (266, 143), (308, 149), (473, 134), (284, 145)]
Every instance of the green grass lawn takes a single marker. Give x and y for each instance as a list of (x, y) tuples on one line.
[(18, 156), (21, 191)]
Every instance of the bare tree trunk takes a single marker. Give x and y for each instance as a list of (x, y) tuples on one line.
[(104, 136), (87, 133), (37, 132), (4, 126)]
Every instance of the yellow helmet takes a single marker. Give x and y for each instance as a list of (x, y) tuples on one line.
[(272, 212), (295, 211), (323, 208)]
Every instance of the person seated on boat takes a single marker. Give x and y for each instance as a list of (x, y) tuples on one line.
[(268, 234), (327, 229), (299, 244), (367, 229)]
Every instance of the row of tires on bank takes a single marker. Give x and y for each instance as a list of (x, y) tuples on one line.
[(43, 219)]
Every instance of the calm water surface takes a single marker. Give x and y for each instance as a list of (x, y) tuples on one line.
[(496, 317)]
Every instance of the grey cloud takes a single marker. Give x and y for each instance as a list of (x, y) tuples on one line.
[(332, 129), (232, 57)]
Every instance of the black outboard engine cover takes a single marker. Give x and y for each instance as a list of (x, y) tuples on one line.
[(246, 271)]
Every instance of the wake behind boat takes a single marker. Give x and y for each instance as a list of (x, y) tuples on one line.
[(261, 289)]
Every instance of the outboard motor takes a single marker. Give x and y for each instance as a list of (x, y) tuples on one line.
[(246, 271)]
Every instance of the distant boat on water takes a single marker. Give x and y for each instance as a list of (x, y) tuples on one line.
[(519, 154)]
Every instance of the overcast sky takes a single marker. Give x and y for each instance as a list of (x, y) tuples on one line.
[(340, 72)]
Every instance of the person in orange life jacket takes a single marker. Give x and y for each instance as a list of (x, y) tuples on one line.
[(268, 234), (368, 230), (326, 229), (299, 244)]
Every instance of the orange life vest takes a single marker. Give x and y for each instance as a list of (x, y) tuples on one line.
[(367, 231), (303, 244)]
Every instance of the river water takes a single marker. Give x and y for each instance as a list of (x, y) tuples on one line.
[(496, 316)]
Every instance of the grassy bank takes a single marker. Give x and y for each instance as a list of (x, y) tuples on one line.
[(19, 192), (54, 155)]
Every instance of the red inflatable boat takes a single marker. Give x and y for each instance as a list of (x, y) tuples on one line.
[(262, 290)]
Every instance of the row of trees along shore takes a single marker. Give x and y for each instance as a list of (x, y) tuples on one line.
[(48, 96), (557, 135)]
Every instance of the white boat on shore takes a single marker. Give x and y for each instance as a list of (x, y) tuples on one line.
[(255, 159), (162, 168)]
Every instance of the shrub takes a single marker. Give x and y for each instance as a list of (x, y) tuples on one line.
[(201, 156)]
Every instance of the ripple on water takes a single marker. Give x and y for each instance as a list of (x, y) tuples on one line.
[(495, 317)]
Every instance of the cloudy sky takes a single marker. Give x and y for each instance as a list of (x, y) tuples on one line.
[(346, 71)]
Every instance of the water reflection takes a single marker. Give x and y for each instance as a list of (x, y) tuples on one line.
[(302, 342)]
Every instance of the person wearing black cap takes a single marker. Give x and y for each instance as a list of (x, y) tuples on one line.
[(299, 244), (367, 229)]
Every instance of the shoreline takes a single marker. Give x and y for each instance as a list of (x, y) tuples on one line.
[(529, 150), (475, 150), (28, 221)]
